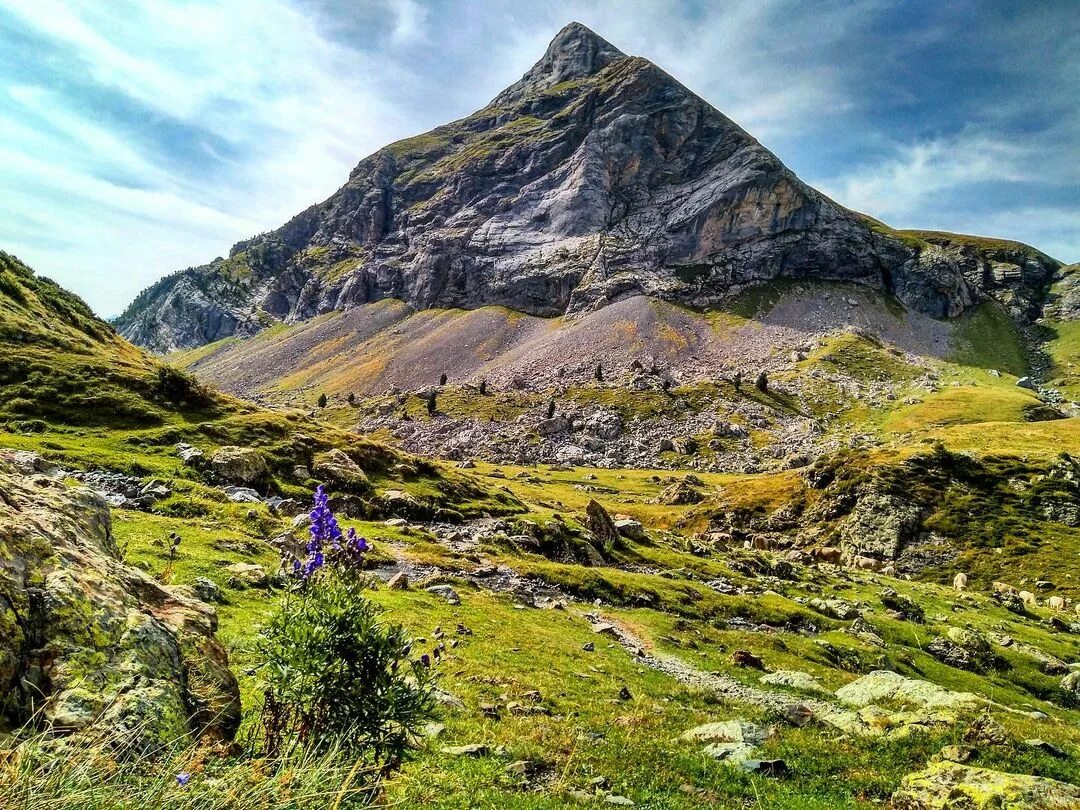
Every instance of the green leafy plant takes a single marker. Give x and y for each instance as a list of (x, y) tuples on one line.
[(337, 675)]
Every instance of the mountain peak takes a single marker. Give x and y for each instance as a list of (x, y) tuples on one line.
[(575, 53)]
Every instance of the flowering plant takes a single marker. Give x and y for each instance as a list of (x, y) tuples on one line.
[(336, 675), (327, 542)]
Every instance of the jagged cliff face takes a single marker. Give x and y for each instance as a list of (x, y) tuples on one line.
[(594, 177)]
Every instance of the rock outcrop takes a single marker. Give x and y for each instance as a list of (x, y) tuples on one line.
[(89, 644), (948, 786), (595, 177)]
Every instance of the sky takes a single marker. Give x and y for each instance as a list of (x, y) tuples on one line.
[(139, 137)]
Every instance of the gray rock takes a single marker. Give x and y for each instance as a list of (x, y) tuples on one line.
[(445, 592), (244, 575), (631, 529), (793, 679), (727, 731), (207, 590), (1028, 383), (949, 786), (146, 670), (242, 494), (239, 465)]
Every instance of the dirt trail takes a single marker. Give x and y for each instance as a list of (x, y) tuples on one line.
[(723, 685)]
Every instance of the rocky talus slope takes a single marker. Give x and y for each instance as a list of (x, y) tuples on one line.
[(89, 644), (594, 177)]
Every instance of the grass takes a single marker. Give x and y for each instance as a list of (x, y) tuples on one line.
[(986, 501), (986, 337)]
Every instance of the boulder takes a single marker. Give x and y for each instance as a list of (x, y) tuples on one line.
[(879, 526), (884, 686), (794, 679), (402, 504), (245, 575), (555, 426), (604, 425), (239, 465), (631, 529), (835, 608), (206, 589), (446, 592), (727, 731), (570, 454), (336, 468), (188, 454), (88, 643), (242, 494), (680, 494), (1070, 688), (950, 786), (600, 524)]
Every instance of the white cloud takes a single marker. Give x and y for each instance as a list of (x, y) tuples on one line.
[(296, 109), (900, 186)]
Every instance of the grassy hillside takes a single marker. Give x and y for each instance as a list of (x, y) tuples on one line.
[(61, 363), (562, 714)]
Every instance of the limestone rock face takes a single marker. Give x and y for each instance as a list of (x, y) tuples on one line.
[(90, 644), (595, 177), (949, 786), (879, 526)]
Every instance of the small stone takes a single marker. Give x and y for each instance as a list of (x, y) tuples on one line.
[(957, 753), (765, 767), (624, 694), (474, 750), (620, 801), (588, 646), (398, 582), (446, 592)]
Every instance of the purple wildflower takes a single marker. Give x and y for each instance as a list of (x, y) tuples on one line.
[(326, 543), (182, 779), (355, 545)]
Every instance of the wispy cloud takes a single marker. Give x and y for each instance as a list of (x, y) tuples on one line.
[(141, 136)]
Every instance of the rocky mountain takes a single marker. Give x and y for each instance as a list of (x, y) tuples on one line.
[(595, 177)]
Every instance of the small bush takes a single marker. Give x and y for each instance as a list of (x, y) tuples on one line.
[(338, 676)]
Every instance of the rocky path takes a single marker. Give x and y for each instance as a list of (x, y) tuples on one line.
[(723, 686)]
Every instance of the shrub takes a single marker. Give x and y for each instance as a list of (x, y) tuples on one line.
[(337, 676), (322, 400), (181, 389)]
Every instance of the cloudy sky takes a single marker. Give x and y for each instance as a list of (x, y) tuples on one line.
[(138, 137)]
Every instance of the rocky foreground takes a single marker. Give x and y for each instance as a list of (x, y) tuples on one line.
[(91, 645)]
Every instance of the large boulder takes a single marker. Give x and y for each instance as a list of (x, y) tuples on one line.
[(601, 526), (949, 786), (680, 493), (88, 643), (885, 686), (239, 465), (879, 526), (335, 467)]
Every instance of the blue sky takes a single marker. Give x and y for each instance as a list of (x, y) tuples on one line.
[(138, 137)]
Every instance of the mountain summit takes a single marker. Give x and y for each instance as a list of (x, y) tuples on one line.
[(594, 177)]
